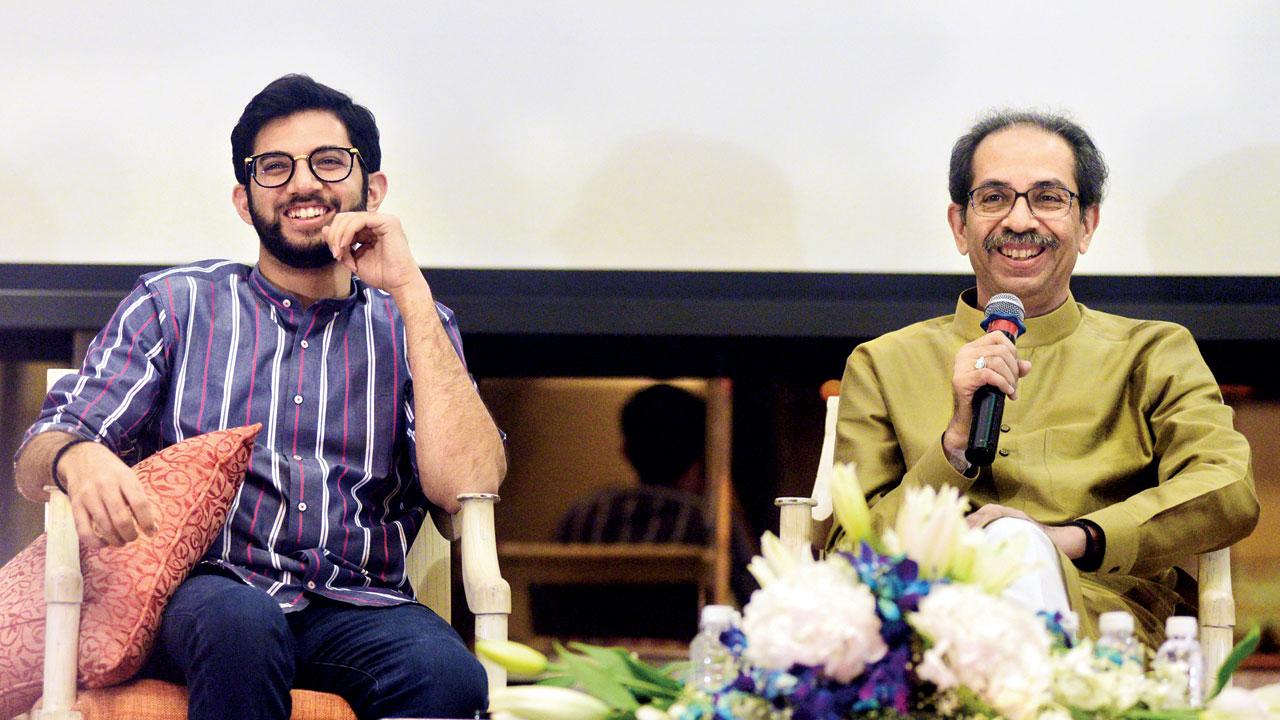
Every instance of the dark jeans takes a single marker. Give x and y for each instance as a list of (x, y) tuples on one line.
[(239, 654)]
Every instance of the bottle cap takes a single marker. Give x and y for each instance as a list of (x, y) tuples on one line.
[(1181, 626), (1116, 622), (717, 615)]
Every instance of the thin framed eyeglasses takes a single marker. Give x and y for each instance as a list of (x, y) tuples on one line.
[(328, 164), (1047, 202)]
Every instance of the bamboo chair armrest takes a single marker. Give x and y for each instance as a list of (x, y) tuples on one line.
[(795, 522), (488, 595), (63, 593), (486, 591)]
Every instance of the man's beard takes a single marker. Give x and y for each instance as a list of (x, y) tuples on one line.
[(995, 242), (307, 257)]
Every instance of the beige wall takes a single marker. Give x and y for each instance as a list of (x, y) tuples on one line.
[(1256, 558), (21, 392)]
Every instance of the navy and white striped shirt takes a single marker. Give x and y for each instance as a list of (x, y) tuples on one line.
[(331, 501)]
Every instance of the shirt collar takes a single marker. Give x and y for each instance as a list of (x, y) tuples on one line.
[(286, 302), (1042, 330)]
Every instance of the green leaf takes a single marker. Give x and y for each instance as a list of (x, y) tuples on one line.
[(556, 680), (647, 690), (1241, 651), (612, 659), (593, 680), (657, 676), (676, 669)]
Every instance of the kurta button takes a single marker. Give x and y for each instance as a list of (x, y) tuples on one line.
[(297, 399), (311, 585), (287, 303), (1004, 453), (302, 507), (1003, 428), (298, 458), (305, 344)]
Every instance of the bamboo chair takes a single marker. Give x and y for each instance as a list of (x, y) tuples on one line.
[(488, 597), (1217, 607)]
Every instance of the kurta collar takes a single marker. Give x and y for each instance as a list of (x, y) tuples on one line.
[(1043, 330), (288, 303)]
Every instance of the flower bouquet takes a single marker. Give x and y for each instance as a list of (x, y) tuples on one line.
[(906, 624)]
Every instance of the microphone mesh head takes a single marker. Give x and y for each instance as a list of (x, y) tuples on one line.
[(1006, 305)]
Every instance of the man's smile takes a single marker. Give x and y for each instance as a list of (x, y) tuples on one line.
[(306, 212), (1020, 252), (308, 215)]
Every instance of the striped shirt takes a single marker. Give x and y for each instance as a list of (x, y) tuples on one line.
[(331, 501)]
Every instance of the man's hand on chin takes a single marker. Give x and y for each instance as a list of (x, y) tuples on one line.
[(1070, 539), (373, 245)]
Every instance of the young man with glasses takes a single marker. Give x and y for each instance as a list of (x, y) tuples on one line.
[(334, 343), (1116, 455)]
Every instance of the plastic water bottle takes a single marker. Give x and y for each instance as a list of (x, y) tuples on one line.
[(711, 664), (1179, 663), (1116, 638)]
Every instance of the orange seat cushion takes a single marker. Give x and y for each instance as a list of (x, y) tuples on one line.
[(125, 589), (159, 700)]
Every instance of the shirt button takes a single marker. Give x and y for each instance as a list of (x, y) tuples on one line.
[(311, 585), (298, 458), (1004, 453), (302, 507), (297, 399), (1004, 428), (287, 303), (305, 344)]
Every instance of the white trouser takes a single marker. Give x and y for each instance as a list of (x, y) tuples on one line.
[(1042, 587)]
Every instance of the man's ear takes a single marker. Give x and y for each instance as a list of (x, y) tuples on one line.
[(377, 190), (1090, 223), (956, 219), (240, 198)]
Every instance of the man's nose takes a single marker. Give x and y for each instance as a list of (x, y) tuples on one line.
[(1020, 218), (303, 179)]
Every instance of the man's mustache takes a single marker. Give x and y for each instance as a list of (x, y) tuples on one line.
[(309, 198), (995, 242)]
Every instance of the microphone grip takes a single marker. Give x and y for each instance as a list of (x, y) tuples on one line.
[(984, 432)]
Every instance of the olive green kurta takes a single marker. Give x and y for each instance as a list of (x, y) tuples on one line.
[(1119, 421)]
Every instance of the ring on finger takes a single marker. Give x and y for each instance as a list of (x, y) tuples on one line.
[(980, 363)]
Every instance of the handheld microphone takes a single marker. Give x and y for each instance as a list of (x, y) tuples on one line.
[(1004, 313)]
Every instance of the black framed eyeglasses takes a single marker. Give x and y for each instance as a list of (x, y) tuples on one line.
[(1045, 201), (328, 164)]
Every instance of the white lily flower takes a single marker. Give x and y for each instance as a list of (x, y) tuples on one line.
[(649, 712), (930, 529), (1236, 703), (519, 659), (850, 505), (776, 560), (547, 702), (997, 564)]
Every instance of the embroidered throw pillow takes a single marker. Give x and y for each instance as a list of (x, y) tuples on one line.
[(125, 589)]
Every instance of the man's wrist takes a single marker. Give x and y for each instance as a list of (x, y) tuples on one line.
[(58, 456), (1095, 545), (957, 459), (415, 289)]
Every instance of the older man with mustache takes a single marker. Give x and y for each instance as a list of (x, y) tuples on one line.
[(1117, 455)]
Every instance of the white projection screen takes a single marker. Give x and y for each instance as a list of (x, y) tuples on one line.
[(686, 135)]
